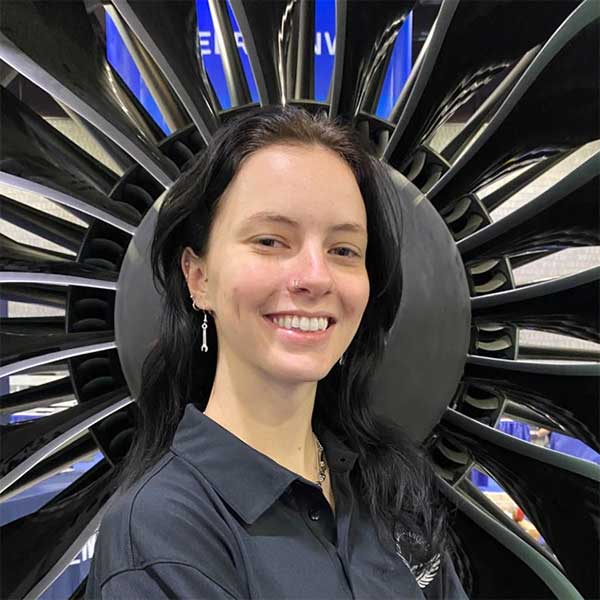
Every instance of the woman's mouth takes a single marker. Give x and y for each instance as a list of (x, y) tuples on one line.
[(298, 335)]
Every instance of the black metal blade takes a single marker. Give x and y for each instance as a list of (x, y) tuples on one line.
[(36, 396), (21, 352), (83, 448), (566, 215), (235, 78), (60, 52), (564, 305), (491, 551), (365, 36), (36, 326), (566, 392), (168, 31), (36, 157), (27, 444), (20, 262), (52, 536), (449, 75), (268, 28), (45, 295), (544, 484), (469, 489), (536, 101), (64, 233)]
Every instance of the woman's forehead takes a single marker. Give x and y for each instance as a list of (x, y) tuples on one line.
[(294, 180), (299, 164)]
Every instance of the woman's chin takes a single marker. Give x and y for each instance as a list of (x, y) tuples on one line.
[(302, 371)]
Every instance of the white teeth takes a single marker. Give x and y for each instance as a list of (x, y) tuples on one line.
[(302, 323)]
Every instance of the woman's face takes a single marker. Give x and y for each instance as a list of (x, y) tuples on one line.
[(317, 234)]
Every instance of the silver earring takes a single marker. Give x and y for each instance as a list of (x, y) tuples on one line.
[(342, 359), (204, 347), (194, 303)]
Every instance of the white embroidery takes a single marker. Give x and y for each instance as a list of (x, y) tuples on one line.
[(425, 572)]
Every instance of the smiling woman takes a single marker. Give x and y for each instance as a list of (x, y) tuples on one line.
[(296, 194), (258, 468)]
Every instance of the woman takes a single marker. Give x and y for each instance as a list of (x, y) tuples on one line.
[(258, 469)]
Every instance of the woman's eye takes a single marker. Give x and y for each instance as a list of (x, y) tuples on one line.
[(266, 242), (260, 240), (349, 249)]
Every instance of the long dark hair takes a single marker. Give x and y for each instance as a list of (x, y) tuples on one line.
[(394, 478)]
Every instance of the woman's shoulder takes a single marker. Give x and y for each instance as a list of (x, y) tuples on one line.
[(169, 514)]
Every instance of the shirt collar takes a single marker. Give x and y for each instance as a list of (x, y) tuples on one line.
[(246, 479)]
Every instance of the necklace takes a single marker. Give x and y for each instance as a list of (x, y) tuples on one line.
[(322, 463)]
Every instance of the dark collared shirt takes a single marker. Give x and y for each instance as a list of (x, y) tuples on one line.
[(215, 518)]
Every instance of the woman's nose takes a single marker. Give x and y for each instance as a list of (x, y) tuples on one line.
[(312, 270)]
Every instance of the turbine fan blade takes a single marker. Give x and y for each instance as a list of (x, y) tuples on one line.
[(536, 477), (168, 31), (66, 58)]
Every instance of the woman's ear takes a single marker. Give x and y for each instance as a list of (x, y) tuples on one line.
[(194, 271)]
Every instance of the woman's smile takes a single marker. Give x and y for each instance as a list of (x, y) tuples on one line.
[(298, 336)]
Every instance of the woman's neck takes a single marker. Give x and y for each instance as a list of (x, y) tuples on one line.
[(273, 420)]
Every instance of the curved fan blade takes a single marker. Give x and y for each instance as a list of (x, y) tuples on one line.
[(492, 551), (28, 140), (527, 351), (453, 149), (34, 326), (565, 215), (525, 414), (536, 100), (300, 83), (64, 233), (171, 110), (449, 75), (363, 43), (537, 478), (46, 295), (16, 252), (117, 155), (36, 157), (268, 28), (564, 305), (64, 57), (18, 348), (25, 445), (516, 183), (21, 259), (169, 33), (237, 85), (36, 396), (566, 393), (82, 448), (52, 536), (20, 354), (470, 490), (46, 275)]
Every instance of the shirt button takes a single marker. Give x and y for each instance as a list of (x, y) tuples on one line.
[(314, 514)]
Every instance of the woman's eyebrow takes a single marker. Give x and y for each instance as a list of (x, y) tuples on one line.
[(273, 217)]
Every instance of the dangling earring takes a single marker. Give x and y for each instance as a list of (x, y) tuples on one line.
[(204, 347), (342, 359)]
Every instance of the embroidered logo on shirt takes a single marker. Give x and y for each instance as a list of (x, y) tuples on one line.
[(424, 572)]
